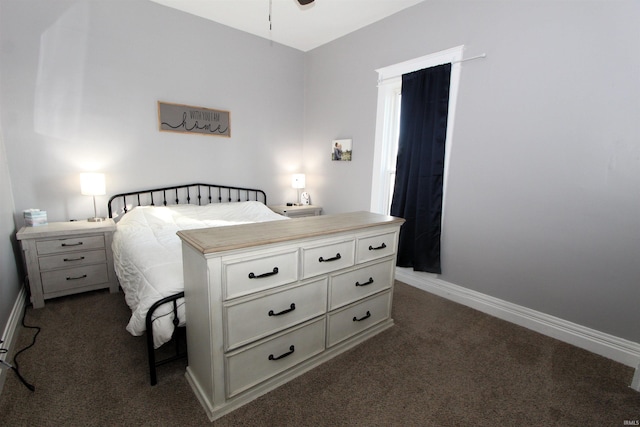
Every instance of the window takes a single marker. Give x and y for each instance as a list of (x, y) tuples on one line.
[(388, 122), (389, 149)]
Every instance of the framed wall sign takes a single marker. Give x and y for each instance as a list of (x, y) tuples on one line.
[(188, 119)]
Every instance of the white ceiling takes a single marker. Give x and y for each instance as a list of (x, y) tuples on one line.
[(301, 27)]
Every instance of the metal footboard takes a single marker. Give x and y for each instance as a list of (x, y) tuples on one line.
[(179, 352)]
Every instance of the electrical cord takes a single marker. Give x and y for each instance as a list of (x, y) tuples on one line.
[(15, 368)]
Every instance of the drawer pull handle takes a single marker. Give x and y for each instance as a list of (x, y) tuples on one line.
[(260, 276), (366, 316), (77, 278), (73, 259), (365, 283), (291, 308), (382, 246), (71, 244), (335, 258), (291, 350)]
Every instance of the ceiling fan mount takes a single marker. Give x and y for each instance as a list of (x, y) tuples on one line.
[(305, 2)]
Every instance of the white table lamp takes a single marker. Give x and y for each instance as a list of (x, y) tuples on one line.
[(92, 184), (298, 182)]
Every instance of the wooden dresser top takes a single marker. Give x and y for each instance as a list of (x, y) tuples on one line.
[(218, 239)]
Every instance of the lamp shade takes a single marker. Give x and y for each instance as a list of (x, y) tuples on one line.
[(92, 184), (298, 180)]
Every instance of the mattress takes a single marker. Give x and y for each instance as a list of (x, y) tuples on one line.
[(148, 255)]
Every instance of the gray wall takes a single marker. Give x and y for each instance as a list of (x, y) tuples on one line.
[(9, 283), (80, 82), (543, 201)]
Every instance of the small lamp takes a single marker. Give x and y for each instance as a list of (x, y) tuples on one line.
[(298, 183), (92, 184)]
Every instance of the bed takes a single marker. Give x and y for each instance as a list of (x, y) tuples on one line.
[(148, 253)]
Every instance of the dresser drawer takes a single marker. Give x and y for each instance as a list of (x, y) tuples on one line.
[(250, 366), (327, 258), (46, 247), (356, 318), (72, 259), (253, 319), (69, 278), (248, 275), (375, 247), (354, 285)]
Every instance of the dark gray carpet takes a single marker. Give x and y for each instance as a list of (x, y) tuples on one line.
[(442, 364)]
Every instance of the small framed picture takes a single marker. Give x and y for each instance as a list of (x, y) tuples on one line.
[(341, 149)]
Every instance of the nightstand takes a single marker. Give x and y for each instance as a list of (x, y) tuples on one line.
[(297, 211), (64, 258)]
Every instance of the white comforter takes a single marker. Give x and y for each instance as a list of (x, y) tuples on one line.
[(148, 255)]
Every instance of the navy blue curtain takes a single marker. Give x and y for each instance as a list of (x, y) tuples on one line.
[(417, 195)]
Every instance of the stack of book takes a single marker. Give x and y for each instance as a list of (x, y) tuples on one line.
[(35, 217)]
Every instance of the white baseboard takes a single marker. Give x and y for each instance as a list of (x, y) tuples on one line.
[(10, 335), (635, 383), (609, 346)]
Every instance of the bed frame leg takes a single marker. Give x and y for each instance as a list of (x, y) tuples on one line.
[(151, 352), (152, 358)]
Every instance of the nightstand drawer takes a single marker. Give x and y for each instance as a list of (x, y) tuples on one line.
[(72, 259), (59, 280), (46, 247)]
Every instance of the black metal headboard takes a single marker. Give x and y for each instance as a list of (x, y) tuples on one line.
[(197, 194)]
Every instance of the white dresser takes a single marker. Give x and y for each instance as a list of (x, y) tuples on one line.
[(267, 302)]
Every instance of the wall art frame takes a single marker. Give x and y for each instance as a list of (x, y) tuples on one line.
[(182, 118), (341, 150)]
